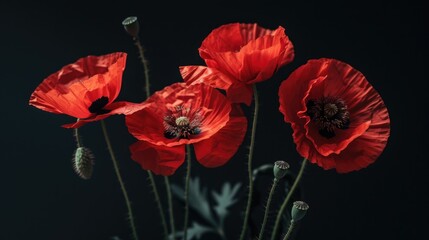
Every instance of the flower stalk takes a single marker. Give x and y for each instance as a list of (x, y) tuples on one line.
[(145, 64), (77, 136), (186, 197), (299, 209), (131, 26), (289, 230), (279, 171), (170, 206), (249, 162), (286, 200), (158, 203), (267, 208), (121, 182)]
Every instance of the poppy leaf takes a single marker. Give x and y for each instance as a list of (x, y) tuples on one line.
[(224, 199), (194, 232), (197, 199)]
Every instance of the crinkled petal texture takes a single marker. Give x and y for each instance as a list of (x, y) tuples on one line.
[(161, 160), (222, 129), (247, 52), (221, 147), (76, 86), (119, 107), (238, 55), (350, 149), (237, 92), (148, 123)]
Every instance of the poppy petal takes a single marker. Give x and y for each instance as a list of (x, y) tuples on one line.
[(237, 92), (206, 75), (220, 148), (360, 123), (212, 106), (368, 129), (161, 160), (248, 52), (76, 86), (240, 93), (120, 107)]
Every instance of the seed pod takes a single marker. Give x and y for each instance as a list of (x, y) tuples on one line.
[(280, 169), (299, 210), (83, 162), (131, 25)]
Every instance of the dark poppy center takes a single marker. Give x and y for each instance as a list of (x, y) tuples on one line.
[(98, 105), (181, 123), (329, 114)]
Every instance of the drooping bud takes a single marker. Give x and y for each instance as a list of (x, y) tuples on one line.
[(299, 210), (83, 162), (280, 169), (131, 25)]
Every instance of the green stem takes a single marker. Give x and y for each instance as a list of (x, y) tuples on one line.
[(170, 206), (286, 201), (158, 203), (249, 162), (145, 65), (267, 208), (151, 178), (188, 176), (121, 182), (289, 230), (77, 136)]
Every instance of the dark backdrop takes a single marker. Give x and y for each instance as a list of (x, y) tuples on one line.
[(42, 198)]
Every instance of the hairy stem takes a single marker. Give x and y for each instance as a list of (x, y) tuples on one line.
[(288, 197), (267, 208), (170, 206), (145, 65), (121, 182), (289, 230), (188, 176), (249, 162), (77, 136), (158, 203)]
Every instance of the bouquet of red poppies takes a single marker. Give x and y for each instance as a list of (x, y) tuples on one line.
[(339, 121)]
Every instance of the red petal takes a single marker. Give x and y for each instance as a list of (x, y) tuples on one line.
[(240, 93), (237, 92), (359, 154), (246, 51), (221, 147), (262, 57), (359, 124), (73, 89), (147, 124), (161, 160), (353, 148), (209, 76), (120, 107), (222, 39), (294, 89)]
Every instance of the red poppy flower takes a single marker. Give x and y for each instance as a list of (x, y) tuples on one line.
[(85, 90), (243, 54), (183, 114), (338, 119)]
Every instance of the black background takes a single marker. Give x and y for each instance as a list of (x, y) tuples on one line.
[(42, 198)]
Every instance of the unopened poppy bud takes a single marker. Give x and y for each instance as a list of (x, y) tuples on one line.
[(298, 210), (280, 168), (83, 162), (131, 25)]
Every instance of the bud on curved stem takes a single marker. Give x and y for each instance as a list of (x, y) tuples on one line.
[(83, 162)]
